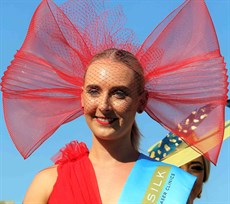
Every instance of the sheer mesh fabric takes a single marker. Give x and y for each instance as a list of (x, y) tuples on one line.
[(182, 65)]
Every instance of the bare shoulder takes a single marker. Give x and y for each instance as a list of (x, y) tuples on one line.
[(41, 186)]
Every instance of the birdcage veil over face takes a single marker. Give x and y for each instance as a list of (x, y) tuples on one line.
[(181, 67), (112, 94)]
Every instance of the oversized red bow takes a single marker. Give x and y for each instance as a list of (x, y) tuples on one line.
[(183, 68)]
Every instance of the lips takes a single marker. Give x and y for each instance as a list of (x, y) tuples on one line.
[(105, 121)]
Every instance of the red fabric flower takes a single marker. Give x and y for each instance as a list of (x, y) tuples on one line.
[(71, 152)]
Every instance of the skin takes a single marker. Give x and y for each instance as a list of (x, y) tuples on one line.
[(110, 100), (109, 96), (196, 168), (41, 186)]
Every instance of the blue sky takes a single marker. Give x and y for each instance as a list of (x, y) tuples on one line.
[(17, 173)]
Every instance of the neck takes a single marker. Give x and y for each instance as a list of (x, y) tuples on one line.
[(112, 152)]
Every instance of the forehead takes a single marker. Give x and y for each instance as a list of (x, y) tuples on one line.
[(194, 161), (109, 71), (199, 159)]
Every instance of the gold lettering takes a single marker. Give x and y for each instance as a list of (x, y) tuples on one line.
[(158, 184), (151, 197), (160, 174)]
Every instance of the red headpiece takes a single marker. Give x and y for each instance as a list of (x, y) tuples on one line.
[(183, 69)]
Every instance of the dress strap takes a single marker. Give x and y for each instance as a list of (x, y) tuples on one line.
[(76, 182), (71, 152)]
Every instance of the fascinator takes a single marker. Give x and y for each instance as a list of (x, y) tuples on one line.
[(173, 150), (182, 65)]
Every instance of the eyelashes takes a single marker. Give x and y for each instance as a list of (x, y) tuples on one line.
[(93, 92), (120, 94), (117, 92), (197, 168)]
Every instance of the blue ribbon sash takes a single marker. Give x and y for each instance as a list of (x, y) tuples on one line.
[(156, 183)]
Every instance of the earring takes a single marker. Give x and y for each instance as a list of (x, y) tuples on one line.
[(140, 111)]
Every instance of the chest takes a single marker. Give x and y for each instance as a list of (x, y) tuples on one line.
[(111, 182)]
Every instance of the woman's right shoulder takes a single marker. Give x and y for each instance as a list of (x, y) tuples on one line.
[(41, 186)]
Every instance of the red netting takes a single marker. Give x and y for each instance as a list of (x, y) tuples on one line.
[(183, 69)]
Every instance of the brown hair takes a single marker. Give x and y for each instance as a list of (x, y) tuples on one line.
[(207, 167), (128, 59)]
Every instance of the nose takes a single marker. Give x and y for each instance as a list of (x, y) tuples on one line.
[(104, 103)]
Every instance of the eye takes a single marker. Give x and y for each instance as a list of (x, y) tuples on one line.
[(196, 168), (120, 94), (93, 91)]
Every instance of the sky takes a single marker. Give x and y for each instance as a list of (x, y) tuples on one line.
[(142, 16)]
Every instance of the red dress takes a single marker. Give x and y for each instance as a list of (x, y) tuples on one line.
[(76, 182)]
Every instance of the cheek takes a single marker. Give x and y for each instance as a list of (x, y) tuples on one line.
[(198, 185), (90, 104), (199, 181), (121, 106)]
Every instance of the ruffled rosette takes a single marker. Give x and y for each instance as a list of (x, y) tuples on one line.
[(71, 152)]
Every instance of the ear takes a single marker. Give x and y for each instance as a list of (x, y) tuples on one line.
[(143, 101), (82, 102)]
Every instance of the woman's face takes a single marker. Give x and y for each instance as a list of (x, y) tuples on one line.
[(196, 168), (110, 99)]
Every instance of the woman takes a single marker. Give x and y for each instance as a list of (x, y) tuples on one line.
[(113, 92), (173, 150), (196, 165), (110, 100), (199, 167), (60, 56)]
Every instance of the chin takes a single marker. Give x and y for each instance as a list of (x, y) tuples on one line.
[(105, 136)]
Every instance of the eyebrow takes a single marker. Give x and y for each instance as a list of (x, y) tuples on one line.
[(92, 86), (121, 87), (113, 88)]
